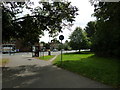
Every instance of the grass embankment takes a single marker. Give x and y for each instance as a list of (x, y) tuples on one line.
[(46, 57), (105, 70), (4, 61)]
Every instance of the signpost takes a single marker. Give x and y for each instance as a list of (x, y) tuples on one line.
[(61, 37)]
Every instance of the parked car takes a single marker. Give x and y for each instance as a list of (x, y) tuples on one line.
[(55, 50)]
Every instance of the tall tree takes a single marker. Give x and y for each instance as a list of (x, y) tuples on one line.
[(90, 30), (107, 36), (50, 16), (78, 39)]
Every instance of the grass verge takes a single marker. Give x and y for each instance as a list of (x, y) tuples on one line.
[(48, 57), (4, 61), (105, 70)]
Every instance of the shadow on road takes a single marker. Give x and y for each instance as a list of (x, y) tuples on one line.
[(33, 76), (25, 76)]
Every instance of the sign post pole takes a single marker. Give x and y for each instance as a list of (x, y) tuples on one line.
[(61, 52), (61, 37)]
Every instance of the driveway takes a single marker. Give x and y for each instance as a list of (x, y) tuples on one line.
[(23, 71)]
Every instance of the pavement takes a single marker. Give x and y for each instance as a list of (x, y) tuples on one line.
[(23, 71)]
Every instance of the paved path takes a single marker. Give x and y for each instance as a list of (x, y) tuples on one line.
[(26, 59), (27, 72)]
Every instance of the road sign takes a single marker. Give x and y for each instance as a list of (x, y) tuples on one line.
[(61, 37)]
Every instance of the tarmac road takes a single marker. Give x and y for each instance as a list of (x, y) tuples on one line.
[(23, 71)]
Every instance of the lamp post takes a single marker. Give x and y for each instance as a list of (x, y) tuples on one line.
[(61, 37)]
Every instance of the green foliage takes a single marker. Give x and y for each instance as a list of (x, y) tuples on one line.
[(107, 35), (78, 39), (6, 23), (9, 11), (47, 45), (48, 16), (66, 45), (55, 41), (105, 70), (90, 30), (55, 44)]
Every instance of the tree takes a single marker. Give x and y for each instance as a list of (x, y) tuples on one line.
[(54, 44), (90, 30), (107, 36), (77, 39), (8, 14), (55, 40), (66, 45), (49, 16), (46, 45)]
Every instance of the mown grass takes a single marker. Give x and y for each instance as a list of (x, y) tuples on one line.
[(4, 61), (46, 57), (105, 70)]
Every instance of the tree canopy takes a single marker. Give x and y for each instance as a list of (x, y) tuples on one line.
[(49, 16), (107, 35), (77, 39), (90, 28)]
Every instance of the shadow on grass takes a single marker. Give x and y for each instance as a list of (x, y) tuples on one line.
[(99, 69)]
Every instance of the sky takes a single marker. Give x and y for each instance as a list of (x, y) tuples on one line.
[(85, 12), (81, 20)]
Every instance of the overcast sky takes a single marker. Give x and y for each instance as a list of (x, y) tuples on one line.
[(85, 12)]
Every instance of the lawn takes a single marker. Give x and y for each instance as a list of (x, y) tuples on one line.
[(4, 61), (104, 70), (48, 57)]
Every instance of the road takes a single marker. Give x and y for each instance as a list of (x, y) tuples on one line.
[(25, 58), (23, 71), (40, 53)]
